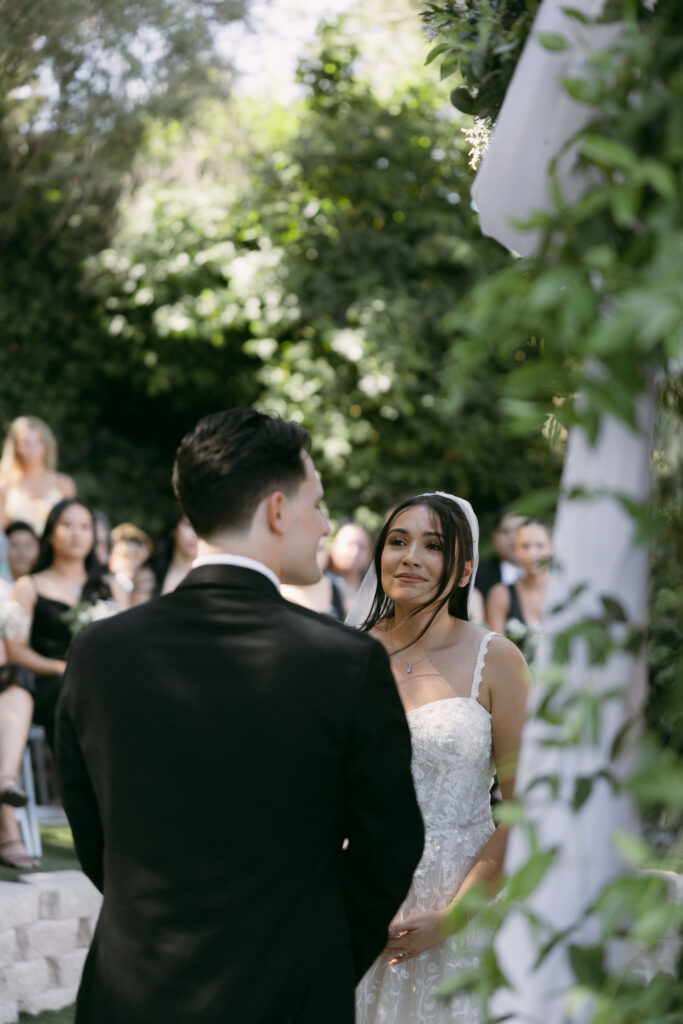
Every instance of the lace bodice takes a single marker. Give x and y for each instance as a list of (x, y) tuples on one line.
[(452, 769), (452, 762)]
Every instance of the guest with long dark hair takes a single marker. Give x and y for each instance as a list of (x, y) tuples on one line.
[(170, 561), (40, 618)]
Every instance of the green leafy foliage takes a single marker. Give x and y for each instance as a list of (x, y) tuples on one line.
[(597, 312), (314, 285), (481, 41), (80, 80)]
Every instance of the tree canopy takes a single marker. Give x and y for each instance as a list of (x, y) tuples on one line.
[(304, 261)]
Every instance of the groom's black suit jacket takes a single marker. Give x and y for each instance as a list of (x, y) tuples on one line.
[(215, 747)]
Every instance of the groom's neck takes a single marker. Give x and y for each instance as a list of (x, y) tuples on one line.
[(240, 544)]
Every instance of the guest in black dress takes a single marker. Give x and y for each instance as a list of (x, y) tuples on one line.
[(521, 604), (502, 566), (42, 613)]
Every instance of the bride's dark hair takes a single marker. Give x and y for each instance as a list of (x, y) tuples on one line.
[(457, 549)]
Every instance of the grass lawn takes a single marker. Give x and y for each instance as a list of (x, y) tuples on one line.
[(65, 1016), (58, 854)]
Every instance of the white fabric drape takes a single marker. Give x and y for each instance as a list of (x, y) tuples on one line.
[(593, 542), (594, 545), (537, 118)]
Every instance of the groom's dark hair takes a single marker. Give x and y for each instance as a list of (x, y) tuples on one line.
[(231, 461)]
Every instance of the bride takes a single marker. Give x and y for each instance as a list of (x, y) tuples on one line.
[(464, 691)]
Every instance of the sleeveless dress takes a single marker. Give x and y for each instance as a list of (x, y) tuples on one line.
[(452, 770), (22, 507), (50, 636)]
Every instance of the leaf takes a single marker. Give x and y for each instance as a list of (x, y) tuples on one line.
[(613, 608), (463, 981), (582, 90), (634, 850), (509, 813), (661, 177), (435, 52), (653, 923), (552, 41), (621, 737), (449, 66), (462, 100), (548, 946), (577, 15), (588, 966), (582, 790), (607, 152), (625, 204), (553, 781), (467, 906), (530, 875)]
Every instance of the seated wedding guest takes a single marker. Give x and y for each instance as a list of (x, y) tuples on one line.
[(169, 563), (516, 610), (350, 554), (29, 482), (22, 551), (130, 548), (102, 537), (501, 567), (64, 590), (325, 596)]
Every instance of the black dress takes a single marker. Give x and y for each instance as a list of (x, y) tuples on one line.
[(515, 604), (51, 637)]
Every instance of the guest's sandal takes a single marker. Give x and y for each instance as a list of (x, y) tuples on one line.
[(13, 854), (11, 792)]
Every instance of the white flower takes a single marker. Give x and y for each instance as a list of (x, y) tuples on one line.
[(515, 629), (349, 343), (87, 612)]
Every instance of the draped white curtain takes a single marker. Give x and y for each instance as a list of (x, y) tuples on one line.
[(593, 543), (537, 118)]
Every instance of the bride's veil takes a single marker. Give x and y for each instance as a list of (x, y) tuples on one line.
[(362, 602)]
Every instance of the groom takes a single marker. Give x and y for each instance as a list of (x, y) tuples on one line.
[(217, 746)]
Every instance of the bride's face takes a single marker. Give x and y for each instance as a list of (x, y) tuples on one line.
[(412, 557)]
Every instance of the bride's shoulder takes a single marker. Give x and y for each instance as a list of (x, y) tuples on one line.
[(504, 661)]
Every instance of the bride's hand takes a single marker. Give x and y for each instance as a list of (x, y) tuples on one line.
[(414, 935)]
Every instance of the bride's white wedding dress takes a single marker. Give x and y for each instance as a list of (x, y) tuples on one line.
[(452, 770)]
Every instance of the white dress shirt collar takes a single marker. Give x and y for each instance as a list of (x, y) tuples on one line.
[(241, 561)]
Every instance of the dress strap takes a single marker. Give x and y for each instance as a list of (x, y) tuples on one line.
[(479, 666)]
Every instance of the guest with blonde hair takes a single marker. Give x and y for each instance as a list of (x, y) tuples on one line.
[(30, 485)]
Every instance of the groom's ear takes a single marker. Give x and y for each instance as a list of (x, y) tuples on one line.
[(276, 512)]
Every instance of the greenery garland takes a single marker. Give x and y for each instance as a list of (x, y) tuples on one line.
[(600, 309)]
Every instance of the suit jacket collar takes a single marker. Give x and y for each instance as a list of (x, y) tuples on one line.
[(230, 576)]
